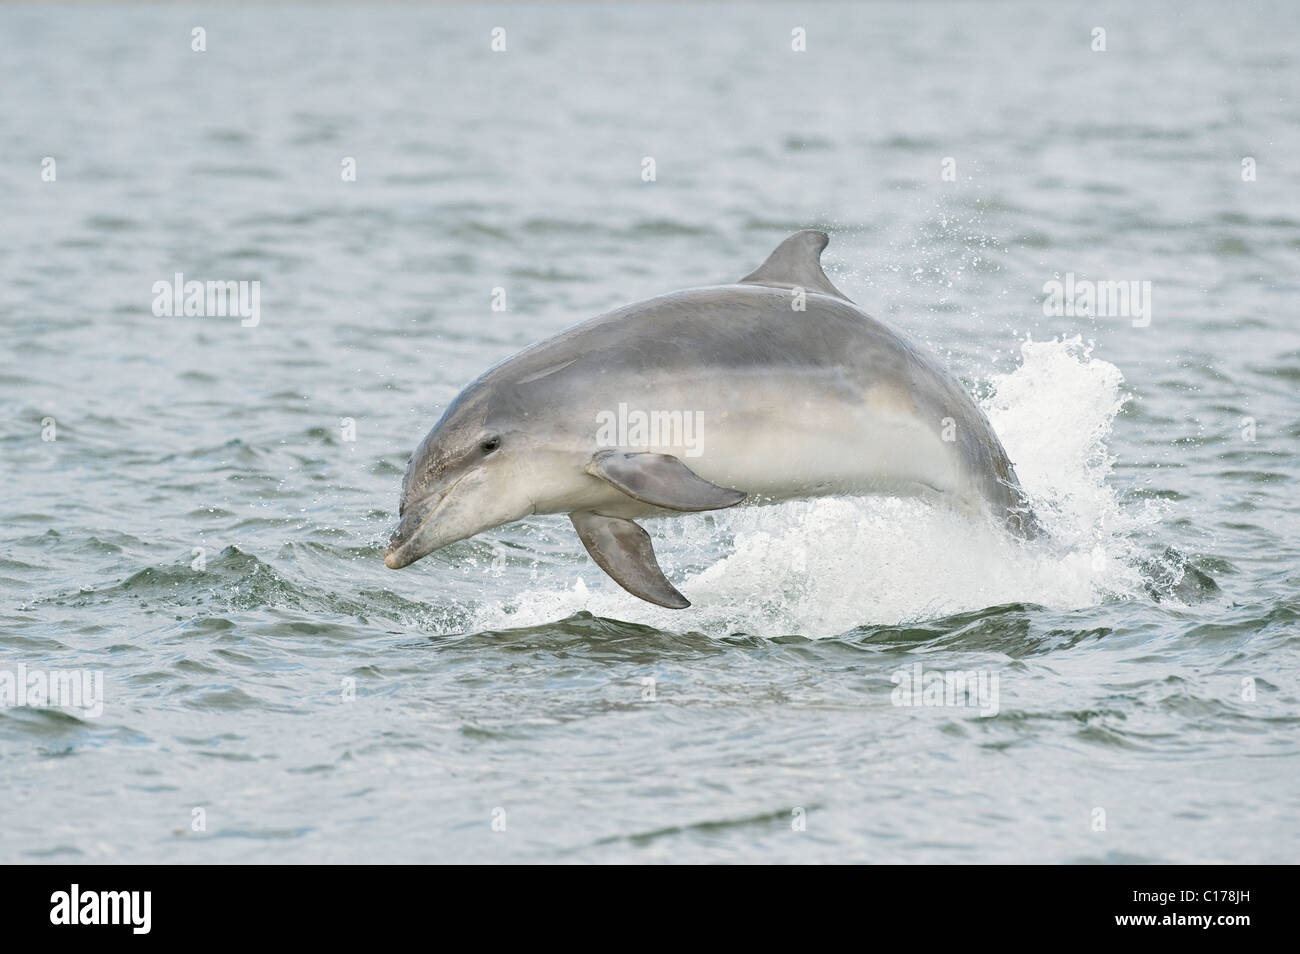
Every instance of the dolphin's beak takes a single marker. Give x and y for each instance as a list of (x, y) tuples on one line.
[(404, 545), (394, 560)]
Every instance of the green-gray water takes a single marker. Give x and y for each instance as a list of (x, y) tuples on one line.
[(201, 530)]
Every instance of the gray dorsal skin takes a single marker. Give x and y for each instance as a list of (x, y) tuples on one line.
[(661, 480), (785, 403), (796, 263), (623, 550)]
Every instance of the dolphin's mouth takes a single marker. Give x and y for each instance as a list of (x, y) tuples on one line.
[(401, 551), (404, 544)]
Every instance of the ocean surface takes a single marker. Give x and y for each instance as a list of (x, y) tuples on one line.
[(196, 508)]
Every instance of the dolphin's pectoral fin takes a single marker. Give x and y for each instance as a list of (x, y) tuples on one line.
[(661, 480), (624, 551), (796, 263)]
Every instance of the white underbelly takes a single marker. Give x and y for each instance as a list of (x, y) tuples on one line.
[(783, 440), (872, 456), (814, 449)]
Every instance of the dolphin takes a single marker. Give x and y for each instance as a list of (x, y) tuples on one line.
[(773, 388)]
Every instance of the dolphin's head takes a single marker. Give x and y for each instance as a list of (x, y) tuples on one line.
[(468, 475)]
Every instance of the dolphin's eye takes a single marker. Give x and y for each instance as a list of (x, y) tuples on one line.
[(489, 444)]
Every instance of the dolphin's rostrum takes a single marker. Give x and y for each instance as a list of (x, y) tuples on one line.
[(797, 393)]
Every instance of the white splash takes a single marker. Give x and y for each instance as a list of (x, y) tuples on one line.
[(821, 567)]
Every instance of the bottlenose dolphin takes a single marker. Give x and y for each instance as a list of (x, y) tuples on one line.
[(774, 388)]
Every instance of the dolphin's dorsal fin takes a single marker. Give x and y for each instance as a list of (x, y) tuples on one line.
[(796, 263)]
